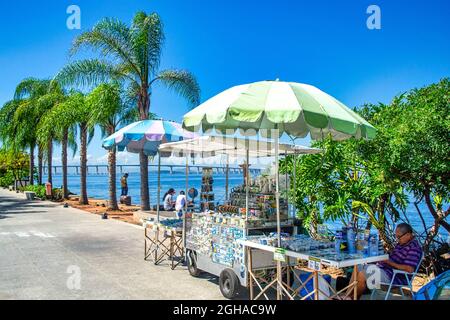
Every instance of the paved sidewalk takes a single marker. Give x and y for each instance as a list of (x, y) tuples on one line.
[(44, 247)]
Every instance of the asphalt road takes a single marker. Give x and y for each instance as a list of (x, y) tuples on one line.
[(51, 252)]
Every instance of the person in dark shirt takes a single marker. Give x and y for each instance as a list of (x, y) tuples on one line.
[(124, 184), (405, 256)]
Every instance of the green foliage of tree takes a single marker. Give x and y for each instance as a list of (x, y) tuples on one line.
[(357, 181), (413, 145)]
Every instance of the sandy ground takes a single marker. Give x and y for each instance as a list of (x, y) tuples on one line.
[(99, 207)]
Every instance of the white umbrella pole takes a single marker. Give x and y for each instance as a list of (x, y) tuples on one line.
[(185, 205), (227, 177), (277, 189), (295, 183), (158, 196), (247, 187), (286, 185), (187, 181), (277, 202)]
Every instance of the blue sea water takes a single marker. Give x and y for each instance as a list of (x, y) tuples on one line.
[(97, 187)]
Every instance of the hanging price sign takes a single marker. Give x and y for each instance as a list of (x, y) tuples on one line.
[(279, 255), (314, 264)]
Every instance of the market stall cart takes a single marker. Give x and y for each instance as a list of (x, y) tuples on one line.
[(211, 235)]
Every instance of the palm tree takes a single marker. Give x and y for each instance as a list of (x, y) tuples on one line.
[(28, 113), (81, 113), (60, 122), (130, 55), (45, 104), (109, 111)]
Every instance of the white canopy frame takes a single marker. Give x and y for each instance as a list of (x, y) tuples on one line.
[(210, 146)]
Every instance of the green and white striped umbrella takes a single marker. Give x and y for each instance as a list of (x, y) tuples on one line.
[(293, 108)]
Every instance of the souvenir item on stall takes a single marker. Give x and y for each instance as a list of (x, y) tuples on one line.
[(215, 236), (262, 203), (207, 195), (172, 223)]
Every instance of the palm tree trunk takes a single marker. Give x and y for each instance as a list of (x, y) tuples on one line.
[(144, 106), (385, 240), (83, 164), (64, 163), (145, 199), (32, 164), (49, 161), (313, 226), (40, 157), (112, 180)]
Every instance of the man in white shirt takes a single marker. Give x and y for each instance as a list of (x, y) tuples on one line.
[(180, 204)]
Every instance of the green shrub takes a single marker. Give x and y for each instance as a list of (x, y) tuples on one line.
[(38, 189), (6, 179), (13, 165)]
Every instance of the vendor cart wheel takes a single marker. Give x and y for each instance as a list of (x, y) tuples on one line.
[(192, 264), (229, 284)]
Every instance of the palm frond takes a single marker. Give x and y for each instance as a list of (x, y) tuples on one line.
[(183, 83), (104, 104), (148, 41), (131, 115), (72, 141), (7, 113), (90, 72), (112, 38), (91, 133), (31, 87)]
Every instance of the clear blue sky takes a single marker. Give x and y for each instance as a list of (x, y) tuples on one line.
[(225, 43)]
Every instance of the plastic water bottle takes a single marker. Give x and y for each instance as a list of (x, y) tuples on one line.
[(373, 245), (337, 244), (351, 241)]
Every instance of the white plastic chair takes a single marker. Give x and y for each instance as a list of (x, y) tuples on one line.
[(407, 275)]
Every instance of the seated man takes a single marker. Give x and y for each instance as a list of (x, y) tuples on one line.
[(405, 257), (180, 204)]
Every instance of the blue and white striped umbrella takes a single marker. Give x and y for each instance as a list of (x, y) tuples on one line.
[(146, 135)]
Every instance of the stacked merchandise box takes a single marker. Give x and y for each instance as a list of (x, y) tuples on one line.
[(207, 194), (262, 202)]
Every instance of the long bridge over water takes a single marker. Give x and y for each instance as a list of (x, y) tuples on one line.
[(102, 169)]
